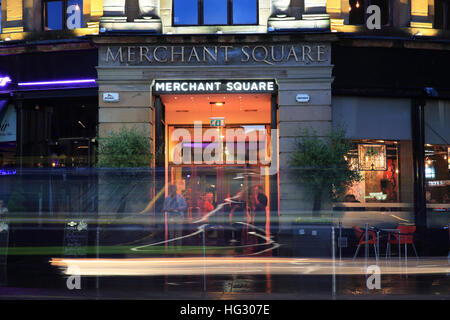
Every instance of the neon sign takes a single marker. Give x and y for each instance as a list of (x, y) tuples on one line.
[(4, 81), (218, 86), (56, 82), (4, 172)]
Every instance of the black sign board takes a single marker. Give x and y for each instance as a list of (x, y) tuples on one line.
[(4, 241), (75, 238), (213, 86)]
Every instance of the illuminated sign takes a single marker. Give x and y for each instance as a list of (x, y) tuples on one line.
[(217, 121), (372, 157), (57, 82), (215, 86), (111, 97)]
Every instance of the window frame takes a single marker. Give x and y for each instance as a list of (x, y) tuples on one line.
[(200, 16), (64, 14)]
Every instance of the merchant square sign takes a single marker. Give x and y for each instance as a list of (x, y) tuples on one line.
[(216, 54)]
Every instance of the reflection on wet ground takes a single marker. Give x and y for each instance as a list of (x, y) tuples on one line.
[(220, 278)]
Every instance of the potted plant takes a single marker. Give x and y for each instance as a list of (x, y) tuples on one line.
[(124, 159), (320, 165)]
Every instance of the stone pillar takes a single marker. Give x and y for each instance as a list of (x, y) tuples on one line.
[(149, 9), (149, 15), (316, 10), (114, 11), (293, 118), (315, 16), (338, 11), (115, 18)]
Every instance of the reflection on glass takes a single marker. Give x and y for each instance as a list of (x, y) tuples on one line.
[(215, 11), (437, 174), (377, 186), (54, 16), (245, 12), (185, 12)]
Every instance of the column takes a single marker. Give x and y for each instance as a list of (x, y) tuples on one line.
[(316, 12), (114, 11)]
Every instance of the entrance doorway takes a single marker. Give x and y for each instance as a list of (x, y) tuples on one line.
[(213, 161)]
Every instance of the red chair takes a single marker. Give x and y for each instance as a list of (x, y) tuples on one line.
[(406, 234), (361, 235)]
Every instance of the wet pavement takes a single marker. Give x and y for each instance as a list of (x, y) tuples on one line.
[(217, 278)]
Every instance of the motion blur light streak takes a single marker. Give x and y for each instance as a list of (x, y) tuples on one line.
[(225, 266)]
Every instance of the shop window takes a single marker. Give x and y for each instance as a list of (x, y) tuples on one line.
[(358, 9), (62, 14), (437, 173), (215, 12), (378, 163), (442, 14)]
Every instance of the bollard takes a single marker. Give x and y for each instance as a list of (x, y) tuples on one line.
[(366, 247)]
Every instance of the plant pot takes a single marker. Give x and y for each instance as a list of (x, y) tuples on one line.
[(149, 8), (114, 8), (311, 239), (280, 8)]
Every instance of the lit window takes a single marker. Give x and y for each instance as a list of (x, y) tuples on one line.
[(215, 12)]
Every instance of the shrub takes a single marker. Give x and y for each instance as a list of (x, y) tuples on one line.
[(126, 148), (320, 165)]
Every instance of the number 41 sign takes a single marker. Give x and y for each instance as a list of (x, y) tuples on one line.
[(217, 121)]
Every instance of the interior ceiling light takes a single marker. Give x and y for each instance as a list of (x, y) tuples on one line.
[(218, 103)]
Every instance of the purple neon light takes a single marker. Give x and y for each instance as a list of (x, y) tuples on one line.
[(59, 82), (4, 81)]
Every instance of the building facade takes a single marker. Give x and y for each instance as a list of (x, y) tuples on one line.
[(262, 71)]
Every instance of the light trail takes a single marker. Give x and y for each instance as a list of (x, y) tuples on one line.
[(257, 266)]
